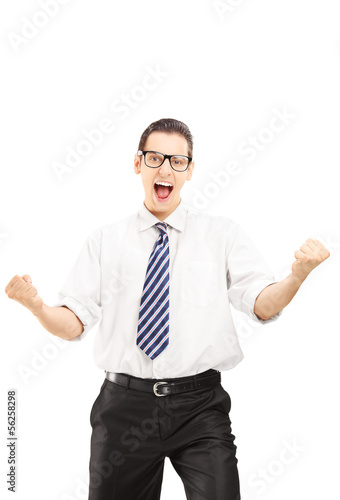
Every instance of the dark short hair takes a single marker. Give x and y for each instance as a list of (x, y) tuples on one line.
[(170, 126)]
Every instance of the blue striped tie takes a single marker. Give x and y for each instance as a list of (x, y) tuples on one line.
[(153, 319)]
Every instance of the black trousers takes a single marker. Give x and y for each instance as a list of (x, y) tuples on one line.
[(133, 432)]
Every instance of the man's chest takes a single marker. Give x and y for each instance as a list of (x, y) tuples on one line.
[(196, 266)]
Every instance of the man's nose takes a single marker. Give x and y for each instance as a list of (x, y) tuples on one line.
[(166, 167)]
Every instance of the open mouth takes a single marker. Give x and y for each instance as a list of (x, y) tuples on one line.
[(162, 192)]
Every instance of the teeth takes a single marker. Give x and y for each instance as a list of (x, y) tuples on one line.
[(163, 183)]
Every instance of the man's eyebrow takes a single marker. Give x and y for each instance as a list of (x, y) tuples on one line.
[(175, 154)]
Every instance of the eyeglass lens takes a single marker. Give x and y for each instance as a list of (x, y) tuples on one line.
[(155, 159)]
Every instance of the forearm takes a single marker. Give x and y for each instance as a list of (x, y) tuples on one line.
[(276, 296), (59, 321)]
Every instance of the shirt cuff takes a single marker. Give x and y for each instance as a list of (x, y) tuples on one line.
[(80, 311), (250, 298)]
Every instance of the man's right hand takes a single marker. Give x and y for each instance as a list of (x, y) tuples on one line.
[(22, 290)]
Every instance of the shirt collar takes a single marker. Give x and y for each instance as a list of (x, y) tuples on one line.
[(176, 219)]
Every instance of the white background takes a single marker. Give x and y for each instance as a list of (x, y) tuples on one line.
[(225, 72)]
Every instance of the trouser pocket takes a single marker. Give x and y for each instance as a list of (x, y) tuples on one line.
[(98, 398)]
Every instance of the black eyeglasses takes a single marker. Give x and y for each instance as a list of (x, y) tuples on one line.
[(153, 159)]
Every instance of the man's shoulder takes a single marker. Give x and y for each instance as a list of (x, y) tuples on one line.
[(120, 222), (115, 227), (203, 216)]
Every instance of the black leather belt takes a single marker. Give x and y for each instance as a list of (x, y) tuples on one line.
[(162, 387)]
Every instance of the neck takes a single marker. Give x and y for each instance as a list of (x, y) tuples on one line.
[(161, 216)]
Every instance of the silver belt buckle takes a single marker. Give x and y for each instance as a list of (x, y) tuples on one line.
[(155, 388)]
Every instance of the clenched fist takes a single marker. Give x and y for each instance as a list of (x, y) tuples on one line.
[(22, 290), (311, 254)]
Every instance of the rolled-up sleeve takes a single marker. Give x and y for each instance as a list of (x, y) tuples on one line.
[(81, 290), (247, 272)]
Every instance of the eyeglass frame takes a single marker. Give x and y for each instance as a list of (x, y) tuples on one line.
[(140, 152)]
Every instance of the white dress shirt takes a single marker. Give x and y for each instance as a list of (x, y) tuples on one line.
[(212, 263)]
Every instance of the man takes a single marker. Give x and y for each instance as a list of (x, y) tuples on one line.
[(160, 283)]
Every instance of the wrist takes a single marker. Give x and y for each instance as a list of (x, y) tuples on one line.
[(38, 309), (296, 278)]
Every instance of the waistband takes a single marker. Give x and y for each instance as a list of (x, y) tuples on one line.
[(168, 386)]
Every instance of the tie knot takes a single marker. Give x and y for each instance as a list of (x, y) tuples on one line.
[(162, 227)]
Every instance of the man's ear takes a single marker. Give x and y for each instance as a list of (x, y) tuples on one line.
[(190, 170), (137, 164)]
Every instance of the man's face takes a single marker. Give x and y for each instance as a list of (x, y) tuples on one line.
[(170, 144)]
